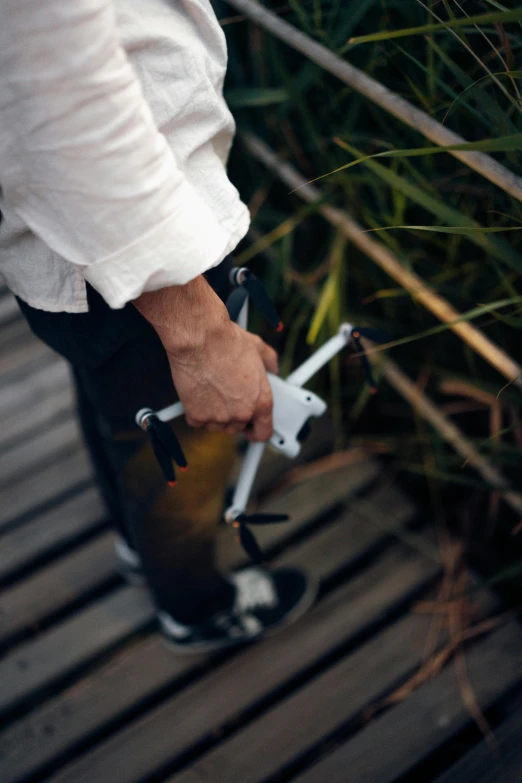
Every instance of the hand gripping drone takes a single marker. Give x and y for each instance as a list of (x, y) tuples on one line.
[(293, 407)]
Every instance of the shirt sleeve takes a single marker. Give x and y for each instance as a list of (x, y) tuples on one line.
[(81, 160)]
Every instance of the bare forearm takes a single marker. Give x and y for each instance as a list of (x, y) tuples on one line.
[(218, 369), (183, 315)]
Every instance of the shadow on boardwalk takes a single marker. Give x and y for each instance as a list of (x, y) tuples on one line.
[(88, 692)]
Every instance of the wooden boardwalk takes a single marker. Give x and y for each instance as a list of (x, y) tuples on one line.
[(88, 694)]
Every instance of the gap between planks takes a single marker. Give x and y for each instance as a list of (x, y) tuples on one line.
[(411, 731), (246, 683), (36, 664), (29, 603), (102, 697), (25, 498), (35, 541), (484, 764), (337, 696), (27, 545), (254, 674)]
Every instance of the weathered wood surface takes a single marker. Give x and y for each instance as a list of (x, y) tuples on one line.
[(89, 693), (413, 730), (24, 498), (49, 532), (62, 649), (497, 763)]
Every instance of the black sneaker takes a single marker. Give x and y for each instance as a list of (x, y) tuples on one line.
[(265, 602)]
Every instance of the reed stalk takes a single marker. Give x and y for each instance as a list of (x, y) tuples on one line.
[(380, 95), (387, 261)]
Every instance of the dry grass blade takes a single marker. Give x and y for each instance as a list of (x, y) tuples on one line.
[(451, 433), (458, 620), (436, 662), (380, 95), (385, 259)]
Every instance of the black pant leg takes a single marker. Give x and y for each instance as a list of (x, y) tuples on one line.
[(120, 366)]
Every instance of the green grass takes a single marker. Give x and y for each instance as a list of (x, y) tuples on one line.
[(456, 230)]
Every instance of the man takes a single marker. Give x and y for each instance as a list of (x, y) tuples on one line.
[(116, 208)]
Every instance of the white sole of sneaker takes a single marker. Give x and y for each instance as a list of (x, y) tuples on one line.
[(307, 600)]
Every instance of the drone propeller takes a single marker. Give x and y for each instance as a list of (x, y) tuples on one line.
[(166, 447), (250, 285), (262, 519), (170, 442), (235, 302), (247, 539), (249, 543)]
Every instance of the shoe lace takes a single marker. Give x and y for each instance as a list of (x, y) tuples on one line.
[(255, 589)]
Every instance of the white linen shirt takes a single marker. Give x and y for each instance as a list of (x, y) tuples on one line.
[(114, 138)]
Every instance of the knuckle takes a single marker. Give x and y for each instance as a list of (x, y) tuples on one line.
[(245, 413), (265, 404)]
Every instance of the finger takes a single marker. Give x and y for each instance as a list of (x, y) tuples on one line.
[(213, 426), (262, 426), (261, 430), (231, 428), (196, 423), (269, 357)]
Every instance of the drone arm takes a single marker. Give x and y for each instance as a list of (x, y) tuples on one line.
[(321, 357), (245, 480)]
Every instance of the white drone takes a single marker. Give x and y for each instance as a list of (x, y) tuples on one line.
[(293, 407)]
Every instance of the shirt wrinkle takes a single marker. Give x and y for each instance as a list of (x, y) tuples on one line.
[(113, 154)]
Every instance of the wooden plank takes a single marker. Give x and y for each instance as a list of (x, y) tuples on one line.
[(15, 333), (274, 465), (71, 644), (68, 580), (20, 352), (47, 668), (9, 309), (25, 496), (333, 698), (77, 516), (486, 765), (386, 512), (24, 458), (25, 421), (27, 544), (22, 372), (23, 394), (307, 501), (30, 602), (136, 752), (147, 668), (410, 732), (237, 685)]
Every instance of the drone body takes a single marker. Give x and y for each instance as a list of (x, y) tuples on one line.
[(293, 407)]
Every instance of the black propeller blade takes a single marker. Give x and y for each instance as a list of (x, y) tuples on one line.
[(170, 442), (250, 285), (262, 519), (236, 301), (166, 447), (262, 301), (162, 455), (250, 545)]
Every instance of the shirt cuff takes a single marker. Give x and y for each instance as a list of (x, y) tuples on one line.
[(185, 245)]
